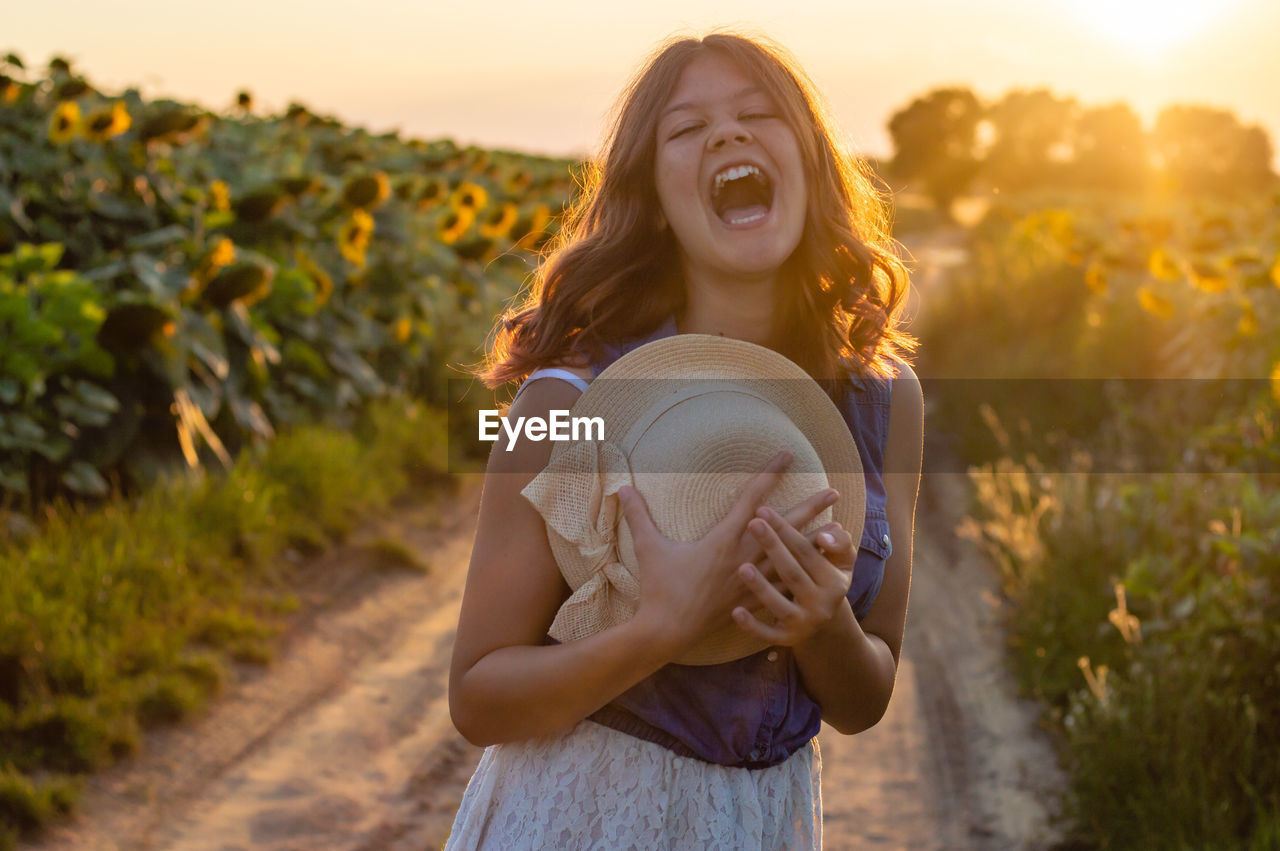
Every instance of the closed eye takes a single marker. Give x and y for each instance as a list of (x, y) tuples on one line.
[(684, 130)]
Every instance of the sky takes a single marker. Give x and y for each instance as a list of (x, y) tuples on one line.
[(541, 77)]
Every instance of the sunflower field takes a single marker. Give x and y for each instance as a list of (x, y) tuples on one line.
[(175, 283), (1125, 477)]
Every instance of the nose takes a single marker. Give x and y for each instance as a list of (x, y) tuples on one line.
[(727, 131)]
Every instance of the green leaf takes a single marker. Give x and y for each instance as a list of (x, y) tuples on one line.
[(361, 374), (146, 268), (13, 480), (163, 236), (93, 396), (70, 409), (83, 478), (106, 271)]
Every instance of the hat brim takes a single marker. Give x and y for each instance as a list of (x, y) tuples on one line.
[(621, 394)]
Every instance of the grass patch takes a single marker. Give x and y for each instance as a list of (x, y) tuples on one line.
[(392, 554), (126, 615), (1144, 612)]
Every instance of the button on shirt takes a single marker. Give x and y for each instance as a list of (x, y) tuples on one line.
[(754, 712)]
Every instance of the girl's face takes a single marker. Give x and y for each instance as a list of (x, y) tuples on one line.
[(728, 170)]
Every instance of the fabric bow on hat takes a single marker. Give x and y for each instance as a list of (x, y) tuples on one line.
[(577, 495)]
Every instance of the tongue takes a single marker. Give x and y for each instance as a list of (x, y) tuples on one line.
[(732, 215)]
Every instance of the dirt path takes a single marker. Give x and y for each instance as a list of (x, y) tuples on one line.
[(346, 743)]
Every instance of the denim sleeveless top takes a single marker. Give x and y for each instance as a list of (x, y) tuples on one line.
[(754, 712)]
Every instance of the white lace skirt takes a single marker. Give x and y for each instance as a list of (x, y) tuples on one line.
[(597, 788)]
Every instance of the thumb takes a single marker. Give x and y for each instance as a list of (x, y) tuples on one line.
[(636, 511)]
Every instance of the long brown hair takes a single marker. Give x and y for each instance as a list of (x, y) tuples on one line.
[(611, 274)]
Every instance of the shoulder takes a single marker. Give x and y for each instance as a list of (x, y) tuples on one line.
[(578, 368), (906, 421), (906, 385), (536, 400)]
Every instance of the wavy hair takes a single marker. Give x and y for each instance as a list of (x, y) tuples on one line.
[(610, 274)]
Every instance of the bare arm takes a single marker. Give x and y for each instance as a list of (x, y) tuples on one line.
[(849, 667), (504, 683)]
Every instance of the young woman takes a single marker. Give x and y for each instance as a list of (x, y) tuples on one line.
[(604, 742)]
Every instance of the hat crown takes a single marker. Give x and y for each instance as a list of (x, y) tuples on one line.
[(698, 449)]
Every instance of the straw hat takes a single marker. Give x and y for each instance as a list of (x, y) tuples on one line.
[(689, 420)]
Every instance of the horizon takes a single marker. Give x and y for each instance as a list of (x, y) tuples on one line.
[(539, 87)]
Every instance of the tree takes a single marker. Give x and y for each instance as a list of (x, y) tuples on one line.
[(935, 142), (1203, 148), (1032, 146), (1110, 148)]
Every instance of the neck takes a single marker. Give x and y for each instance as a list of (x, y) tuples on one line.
[(742, 308)]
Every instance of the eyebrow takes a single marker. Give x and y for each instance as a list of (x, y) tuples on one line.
[(749, 90)]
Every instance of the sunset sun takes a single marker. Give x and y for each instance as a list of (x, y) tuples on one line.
[(1148, 27)]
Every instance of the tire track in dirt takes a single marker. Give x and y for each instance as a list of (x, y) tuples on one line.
[(317, 750), (346, 743)]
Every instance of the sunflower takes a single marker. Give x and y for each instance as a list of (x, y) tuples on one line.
[(1155, 303), (1207, 278), (468, 195), (518, 182), (220, 195), (433, 192), (65, 123), (220, 255), (1275, 271), (324, 284), (103, 124), (479, 160), (353, 236), (497, 223), (403, 327), (72, 88), (1163, 266), (223, 253), (453, 223), (9, 88), (367, 191), (533, 232)]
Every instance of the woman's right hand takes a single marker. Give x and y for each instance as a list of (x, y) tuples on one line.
[(688, 590)]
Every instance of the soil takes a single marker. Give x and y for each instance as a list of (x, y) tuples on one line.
[(345, 741)]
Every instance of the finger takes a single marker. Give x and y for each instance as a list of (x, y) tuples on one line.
[(750, 623), (804, 513), (819, 568), (835, 542), (754, 494), (769, 594), (789, 569), (799, 516), (812, 537), (636, 512)]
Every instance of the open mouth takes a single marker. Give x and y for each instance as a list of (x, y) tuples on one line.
[(741, 194)]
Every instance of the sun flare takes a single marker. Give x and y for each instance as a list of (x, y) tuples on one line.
[(1148, 27)]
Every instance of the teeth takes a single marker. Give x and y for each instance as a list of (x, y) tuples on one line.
[(733, 174)]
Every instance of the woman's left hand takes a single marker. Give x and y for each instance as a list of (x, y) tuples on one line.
[(818, 575)]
